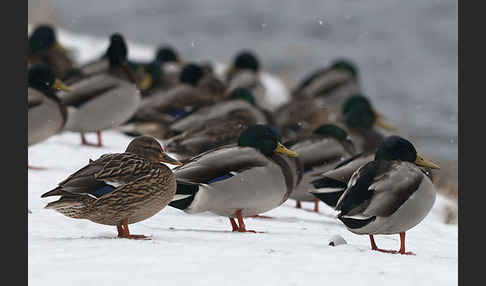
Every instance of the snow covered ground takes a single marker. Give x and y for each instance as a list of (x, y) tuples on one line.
[(201, 249)]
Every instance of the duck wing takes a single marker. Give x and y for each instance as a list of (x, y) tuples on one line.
[(220, 162), (118, 168), (379, 188)]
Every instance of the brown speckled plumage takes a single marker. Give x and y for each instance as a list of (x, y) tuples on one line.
[(144, 186)]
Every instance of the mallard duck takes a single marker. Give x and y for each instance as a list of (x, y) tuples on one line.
[(388, 195), (245, 179), (245, 72), (334, 83), (104, 98), (324, 149), (194, 91), (359, 119), (44, 48), (160, 74), (119, 189), (47, 115), (214, 126)]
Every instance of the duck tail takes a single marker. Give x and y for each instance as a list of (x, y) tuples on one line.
[(185, 194), (63, 204), (55, 192), (328, 190)]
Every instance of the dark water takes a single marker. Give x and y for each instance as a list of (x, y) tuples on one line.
[(406, 50)]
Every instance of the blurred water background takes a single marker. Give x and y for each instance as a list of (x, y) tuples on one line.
[(406, 51)]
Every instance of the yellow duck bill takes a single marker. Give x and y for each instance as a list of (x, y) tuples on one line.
[(425, 163), (281, 149), (58, 84)]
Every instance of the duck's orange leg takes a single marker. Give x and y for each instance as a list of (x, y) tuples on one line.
[(242, 227), (233, 224), (125, 233), (85, 142), (298, 205), (402, 245), (374, 247), (316, 205)]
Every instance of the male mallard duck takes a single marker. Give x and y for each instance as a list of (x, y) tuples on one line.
[(162, 73), (119, 189), (388, 195), (242, 180), (44, 48), (358, 118), (324, 149), (246, 72), (103, 98), (46, 113), (214, 126)]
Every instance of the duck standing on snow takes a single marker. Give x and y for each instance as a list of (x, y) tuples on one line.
[(104, 95), (46, 113), (242, 180), (216, 125), (44, 48), (324, 149), (389, 195), (119, 189)]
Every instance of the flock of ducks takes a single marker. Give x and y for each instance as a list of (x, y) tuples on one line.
[(238, 155)]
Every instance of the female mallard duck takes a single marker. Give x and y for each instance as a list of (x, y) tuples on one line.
[(46, 113), (242, 180), (388, 195), (104, 98), (44, 48), (119, 189), (318, 153)]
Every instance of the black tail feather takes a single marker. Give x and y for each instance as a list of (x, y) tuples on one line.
[(329, 199), (187, 191), (354, 223)]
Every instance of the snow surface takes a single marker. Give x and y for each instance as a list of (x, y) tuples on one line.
[(201, 249)]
